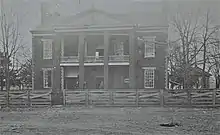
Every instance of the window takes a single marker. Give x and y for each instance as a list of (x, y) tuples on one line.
[(47, 77), (149, 46), (149, 74), (47, 48), (119, 48)]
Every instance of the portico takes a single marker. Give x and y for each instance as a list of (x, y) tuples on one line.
[(104, 47)]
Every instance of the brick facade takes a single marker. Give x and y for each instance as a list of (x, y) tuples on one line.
[(70, 42)]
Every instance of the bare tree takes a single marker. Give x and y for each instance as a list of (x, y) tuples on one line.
[(207, 39), (214, 60), (11, 42), (187, 28), (196, 38)]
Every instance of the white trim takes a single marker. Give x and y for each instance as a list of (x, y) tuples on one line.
[(69, 64), (64, 32), (85, 64), (149, 68), (42, 35), (107, 29), (89, 30), (95, 64), (150, 31), (62, 78), (101, 33), (119, 34), (119, 64), (62, 47)]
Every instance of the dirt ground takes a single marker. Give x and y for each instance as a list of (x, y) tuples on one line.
[(109, 121)]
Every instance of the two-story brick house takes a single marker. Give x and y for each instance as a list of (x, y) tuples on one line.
[(95, 49)]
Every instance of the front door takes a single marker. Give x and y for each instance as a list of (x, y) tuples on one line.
[(99, 82), (71, 83)]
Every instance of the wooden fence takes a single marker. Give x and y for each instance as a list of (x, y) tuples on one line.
[(120, 97), (26, 98), (154, 97)]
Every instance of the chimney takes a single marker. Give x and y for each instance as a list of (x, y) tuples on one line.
[(47, 14), (44, 12)]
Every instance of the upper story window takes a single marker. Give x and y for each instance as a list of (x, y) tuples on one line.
[(47, 77), (47, 48), (149, 46), (149, 76), (119, 48)]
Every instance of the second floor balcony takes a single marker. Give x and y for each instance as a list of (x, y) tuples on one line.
[(95, 59)]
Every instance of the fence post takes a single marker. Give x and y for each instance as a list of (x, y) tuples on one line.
[(189, 97), (7, 98), (214, 97), (161, 97), (29, 99), (87, 97), (137, 97), (51, 97), (112, 97), (64, 97), (5, 101)]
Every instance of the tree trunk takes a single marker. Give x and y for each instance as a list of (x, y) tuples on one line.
[(2, 83), (217, 81), (203, 68), (7, 82)]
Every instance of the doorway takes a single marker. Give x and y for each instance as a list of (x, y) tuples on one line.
[(99, 82)]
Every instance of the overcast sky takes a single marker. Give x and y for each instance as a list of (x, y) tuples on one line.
[(29, 10)]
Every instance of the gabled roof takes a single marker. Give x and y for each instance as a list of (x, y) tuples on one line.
[(99, 17), (198, 71), (92, 17)]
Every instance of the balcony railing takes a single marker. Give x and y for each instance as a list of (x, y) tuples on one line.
[(119, 58), (70, 59), (95, 59)]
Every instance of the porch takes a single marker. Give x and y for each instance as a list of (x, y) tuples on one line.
[(114, 59), (94, 77)]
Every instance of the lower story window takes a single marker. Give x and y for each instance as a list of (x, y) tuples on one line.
[(149, 73), (47, 78)]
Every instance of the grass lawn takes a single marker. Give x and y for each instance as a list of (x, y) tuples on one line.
[(109, 121)]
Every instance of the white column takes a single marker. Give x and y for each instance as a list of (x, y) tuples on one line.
[(81, 60), (62, 68), (62, 47), (106, 55), (132, 66), (62, 78)]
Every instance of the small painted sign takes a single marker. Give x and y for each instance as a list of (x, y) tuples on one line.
[(127, 80)]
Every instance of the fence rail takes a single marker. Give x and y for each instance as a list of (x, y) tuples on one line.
[(154, 97), (26, 98), (115, 97)]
